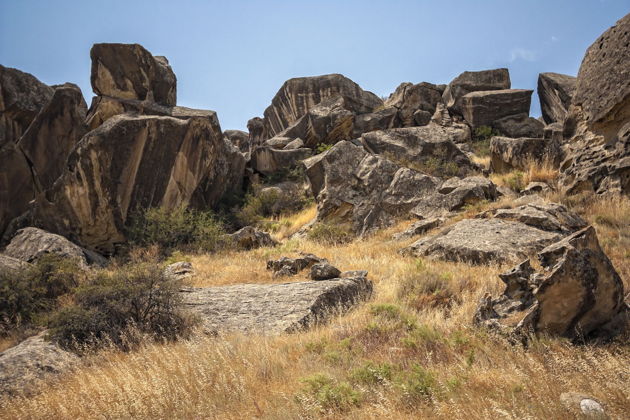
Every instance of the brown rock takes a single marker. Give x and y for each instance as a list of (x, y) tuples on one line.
[(239, 139), (129, 71), (409, 98), (473, 81), (555, 92), (378, 120), (520, 125), (250, 238), (17, 184), (485, 107), (507, 154), (268, 161)]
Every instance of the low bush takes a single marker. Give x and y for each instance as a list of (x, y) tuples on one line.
[(329, 394), (262, 203), (28, 297), (329, 234), (122, 307), (180, 227), (481, 140)]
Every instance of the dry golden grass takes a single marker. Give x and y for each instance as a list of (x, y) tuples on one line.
[(468, 373), (534, 172)]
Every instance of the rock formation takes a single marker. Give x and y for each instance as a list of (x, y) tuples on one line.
[(555, 92), (473, 81), (485, 107), (409, 99), (508, 154)]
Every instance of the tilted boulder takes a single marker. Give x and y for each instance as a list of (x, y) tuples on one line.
[(519, 125), (297, 96), (409, 98), (30, 362), (238, 138), (555, 92), (578, 294), (30, 244), (112, 173), (364, 191), (507, 154), (473, 81), (485, 107), (268, 160), (129, 71), (21, 98), (54, 132), (499, 237), (598, 121), (430, 148)]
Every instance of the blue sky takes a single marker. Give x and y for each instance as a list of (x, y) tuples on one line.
[(233, 56)]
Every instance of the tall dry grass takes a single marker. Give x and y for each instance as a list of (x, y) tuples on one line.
[(389, 358)]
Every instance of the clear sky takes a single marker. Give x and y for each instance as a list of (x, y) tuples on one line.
[(233, 56)]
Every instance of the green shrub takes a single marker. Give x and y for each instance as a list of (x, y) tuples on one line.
[(263, 203), (329, 234), (180, 227), (516, 181), (373, 374), (27, 297), (110, 306), (481, 140), (329, 394), (322, 147), (419, 384)]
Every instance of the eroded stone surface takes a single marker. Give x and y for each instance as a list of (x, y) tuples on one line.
[(555, 92), (485, 107)]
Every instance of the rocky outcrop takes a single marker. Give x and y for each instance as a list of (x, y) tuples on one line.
[(578, 294), (507, 154), (555, 92), (276, 308), (473, 81), (129, 71), (238, 138), (505, 236), (361, 190), (285, 266), (485, 107), (112, 173), (598, 121), (21, 98), (409, 98), (30, 244), (297, 96), (418, 228), (324, 271), (429, 149), (250, 238), (267, 160), (17, 184), (12, 265), (31, 361), (54, 132), (382, 119), (520, 125), (256, 128)]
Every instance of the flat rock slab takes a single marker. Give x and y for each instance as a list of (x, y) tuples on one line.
[(275, 308), (483, 241)]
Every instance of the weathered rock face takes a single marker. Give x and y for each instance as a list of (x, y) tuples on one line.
[(285, 266), (250, 238), (54, 132), (12, 265), (579, 293), (454, 194), (486, 107), (267, 160), (239, 139), (180, 270), (34, 359), (29, 244), (256, 128), (598, 121), (382, 119), (324, 271), (21, 98), (430, 148), (473, 81), (409, 98), (555, 92), (507, 154), (507, 236), (418, 228), (129, 71), (520, 125), (276, 308), (297, 96), (365, 191), (112, 172), (17, 184)]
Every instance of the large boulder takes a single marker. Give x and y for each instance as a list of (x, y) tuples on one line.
[(268, 160), (555, 92), (10, 265), (54, 132), (473, 81), (250, 238), (21, 98), (485, 107), (578, 294), (17, 184), (519, 125), (409, 98), (30, 244), (502, 236), (238, 138), (129, 71), (598, 121), (361, 190), (430, 148), (381, 119), (112, 173), (507, 154), (30, 362), (276, 308), (256, 128), (297, 96)]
